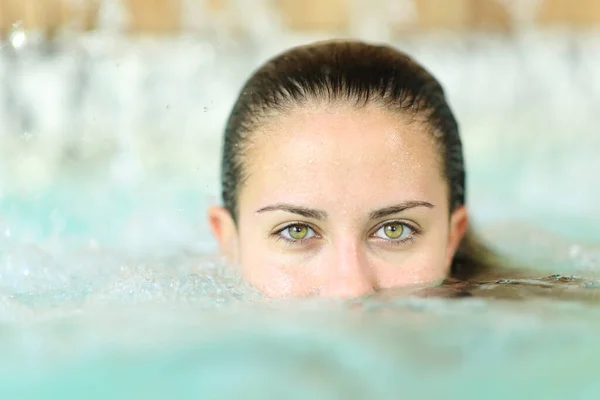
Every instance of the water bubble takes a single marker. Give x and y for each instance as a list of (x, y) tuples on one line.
[(18, 39)]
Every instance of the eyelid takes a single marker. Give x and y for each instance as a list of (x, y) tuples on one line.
[(414, 227), (286, 225), (279, 236)]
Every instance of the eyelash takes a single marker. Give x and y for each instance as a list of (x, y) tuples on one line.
[(415, 232), (279, 237), (290, 241)]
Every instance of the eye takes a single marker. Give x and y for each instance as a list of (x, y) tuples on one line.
[(395, 231), (297, 232)]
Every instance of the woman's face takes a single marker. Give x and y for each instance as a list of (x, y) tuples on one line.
[(341, 202)]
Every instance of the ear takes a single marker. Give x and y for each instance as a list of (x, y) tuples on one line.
[(224, 230), (459, 220)]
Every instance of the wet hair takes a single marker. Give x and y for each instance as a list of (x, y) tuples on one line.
[(360, 75)]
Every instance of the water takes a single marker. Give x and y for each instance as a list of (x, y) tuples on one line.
[(109, 282)]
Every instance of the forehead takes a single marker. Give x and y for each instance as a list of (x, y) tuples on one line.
[(324, 153)]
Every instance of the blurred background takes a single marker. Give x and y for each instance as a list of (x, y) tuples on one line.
[(200, 17), (109, 104), (111, 120)]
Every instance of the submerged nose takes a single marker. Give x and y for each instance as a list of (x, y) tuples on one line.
[(351, 276)]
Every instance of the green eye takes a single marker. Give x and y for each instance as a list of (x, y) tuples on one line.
[(396, 232), (298, 232), (393, 231)]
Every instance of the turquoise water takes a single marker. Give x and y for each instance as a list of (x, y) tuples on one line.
[(114, 292), (109, 283)]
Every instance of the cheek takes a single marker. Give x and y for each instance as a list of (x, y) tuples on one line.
[(275, 278), (274, 272), (418, 268), (424, 263)]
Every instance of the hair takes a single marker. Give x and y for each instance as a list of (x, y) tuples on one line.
[(361, 75)]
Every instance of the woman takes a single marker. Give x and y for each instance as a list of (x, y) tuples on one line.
[(342, 175)]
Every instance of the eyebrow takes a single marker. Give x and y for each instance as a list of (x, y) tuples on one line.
[(303, 211), (398, 208), (322, 215)]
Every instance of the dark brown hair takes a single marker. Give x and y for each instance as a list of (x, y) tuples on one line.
[(358, 74)]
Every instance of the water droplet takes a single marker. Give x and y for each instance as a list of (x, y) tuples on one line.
[(18, 39)]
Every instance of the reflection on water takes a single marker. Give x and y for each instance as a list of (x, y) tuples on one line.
[(556, 287)]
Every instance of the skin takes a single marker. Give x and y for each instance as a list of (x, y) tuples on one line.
[(341, 202)]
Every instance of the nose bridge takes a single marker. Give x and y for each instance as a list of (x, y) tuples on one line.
[(352, 275)]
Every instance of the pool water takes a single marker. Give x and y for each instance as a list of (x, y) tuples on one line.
[(109, 282)]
